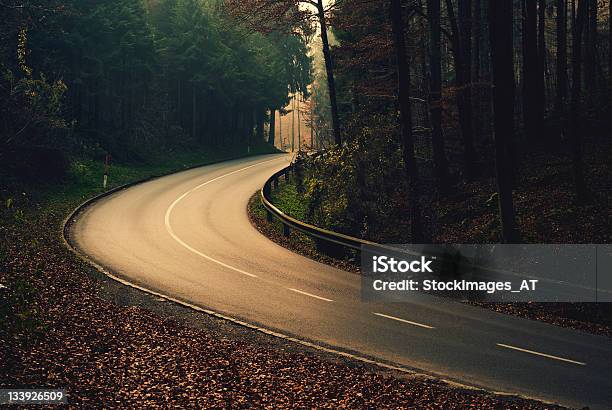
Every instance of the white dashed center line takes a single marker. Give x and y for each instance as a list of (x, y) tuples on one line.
[(541, 354), (310, 294), (404, 320)]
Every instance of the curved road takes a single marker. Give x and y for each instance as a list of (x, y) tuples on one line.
[(188, 236)]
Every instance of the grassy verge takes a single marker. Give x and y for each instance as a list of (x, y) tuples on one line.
[(85, 176), (58, 330), (288, 199)]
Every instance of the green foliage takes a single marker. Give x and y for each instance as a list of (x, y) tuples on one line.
[(131, 77), (215, 63), (358, 188), (30, 104), (290, 200)]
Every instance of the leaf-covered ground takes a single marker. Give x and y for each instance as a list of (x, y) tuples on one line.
[(59, 328), (544, 199)]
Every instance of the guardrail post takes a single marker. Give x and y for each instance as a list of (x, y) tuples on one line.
[(357, 257), (286, 230)]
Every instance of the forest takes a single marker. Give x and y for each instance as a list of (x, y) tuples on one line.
[(431, 121), (129, 78), (426, 122), (458, 120)]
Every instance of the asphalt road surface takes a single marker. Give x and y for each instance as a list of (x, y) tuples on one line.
[(188, 236)]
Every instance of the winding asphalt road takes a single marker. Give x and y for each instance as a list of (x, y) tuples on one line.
[(188, 236)]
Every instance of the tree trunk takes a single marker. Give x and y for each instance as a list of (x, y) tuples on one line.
[(501, 39), (234, 125), (590, 61), (467, 125), (476, 89), (293, 123), (299, 124), (96, 105), (531, 73), (403, 85), (280, 130), (576, 135), (312, 140), (610, 43), (461, 35), (485, 61), (249, 126), (260, 119), (272, 127), (194, 113), (330, 74), (435, 108), (179, 107), (476, 42), (561, 57), (541, 58), (485, 107)]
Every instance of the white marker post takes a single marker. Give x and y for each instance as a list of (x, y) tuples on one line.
[(106, 166)]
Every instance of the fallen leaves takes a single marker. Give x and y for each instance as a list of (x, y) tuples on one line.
[(107, 355)]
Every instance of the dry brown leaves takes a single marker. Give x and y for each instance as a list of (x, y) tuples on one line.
[(112, 356)]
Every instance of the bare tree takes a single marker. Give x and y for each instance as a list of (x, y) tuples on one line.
[(532, 72), (561, 57), (329, 68), (270, 15), (501, 38), (576, 135), (403, 89), (610, 42), (272, 130), (541, 57), (590, 55), (461, 34), (440, 161)]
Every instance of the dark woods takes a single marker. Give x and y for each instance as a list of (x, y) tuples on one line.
[(444, 120), (132, 77), (467, 120)]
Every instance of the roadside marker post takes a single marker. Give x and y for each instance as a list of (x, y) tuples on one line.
[(106, 166)]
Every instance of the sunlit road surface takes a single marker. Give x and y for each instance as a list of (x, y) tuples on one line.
[(188, 236)]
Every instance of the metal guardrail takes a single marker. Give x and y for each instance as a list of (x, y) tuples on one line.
[(329, 241), (335, 244)]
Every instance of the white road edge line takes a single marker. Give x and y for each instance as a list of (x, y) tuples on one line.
[(372, 361), (310, 294), (541, 354), (187, 246), (404, 320)]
